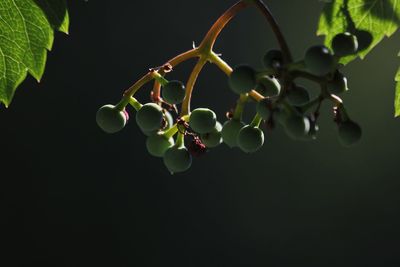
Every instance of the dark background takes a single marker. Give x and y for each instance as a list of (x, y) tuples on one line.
[(74, 196)]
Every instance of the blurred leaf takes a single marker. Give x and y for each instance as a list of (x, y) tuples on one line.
[(397, 96), (26, 33)]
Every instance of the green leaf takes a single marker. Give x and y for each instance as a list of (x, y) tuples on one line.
[(379, 17), (26, 33), (397, 96)]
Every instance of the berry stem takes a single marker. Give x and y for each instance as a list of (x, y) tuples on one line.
[(287, 56), (180, 140), (160, 79), (173, 63), (153, 74), (174, 129), (311, 104), (171, 131), (134, 103), (190, 85), (256, 121), (220, 63), (240, 104)]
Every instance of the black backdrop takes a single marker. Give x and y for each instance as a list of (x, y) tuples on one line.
[(74, 196)]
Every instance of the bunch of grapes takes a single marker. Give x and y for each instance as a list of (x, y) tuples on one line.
[(177, 136)]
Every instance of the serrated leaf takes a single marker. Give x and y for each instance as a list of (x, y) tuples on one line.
[(26, 33), (378, 17), (397, 95)]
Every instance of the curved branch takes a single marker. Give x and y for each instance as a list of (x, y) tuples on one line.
[(287, 56), (190, 85)]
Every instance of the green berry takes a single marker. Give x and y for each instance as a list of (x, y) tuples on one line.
[(319, 60), (214, 138), (338, 84), (298, 96), (268, 86), (312, 134), (110, 119), (250, 139), (364, 39), (297, 126), (242, 79), (177, 159), (202, 120), (168, 122), (230, 131), (273, 59), (157, 144), (280, 115), (174, 92), (264, 108), (149, 117), (349, 133), (344, 44)]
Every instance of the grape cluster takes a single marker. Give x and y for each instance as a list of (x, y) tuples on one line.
[(280, 100)]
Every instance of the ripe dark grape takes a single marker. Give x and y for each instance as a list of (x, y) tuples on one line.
[(268, 86), (264, 108), (149, 117), (319, 60), (364, 39), (344, 44), (297, 126), (111, 120), (298, 96), (174, 92), (213, 138), (250, 139), (349, 133), (230, 131), (177, 159), (338, 84), (273, 59), (242, 79), (202, 120)]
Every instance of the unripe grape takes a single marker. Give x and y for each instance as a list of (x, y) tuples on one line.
[(349, 133), (213, 138), (338, 84), (230, 131), (250, 139), (280, 115), (312, 134), (174, 92), (242, 79), (177, 159), (168, 122), (202, 120), (149, 117), (110, 119), (268, 86), (273, 59), (158, 143), (297, 126), (344, 44), (319, 60), (264, 108), (298, 96)]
